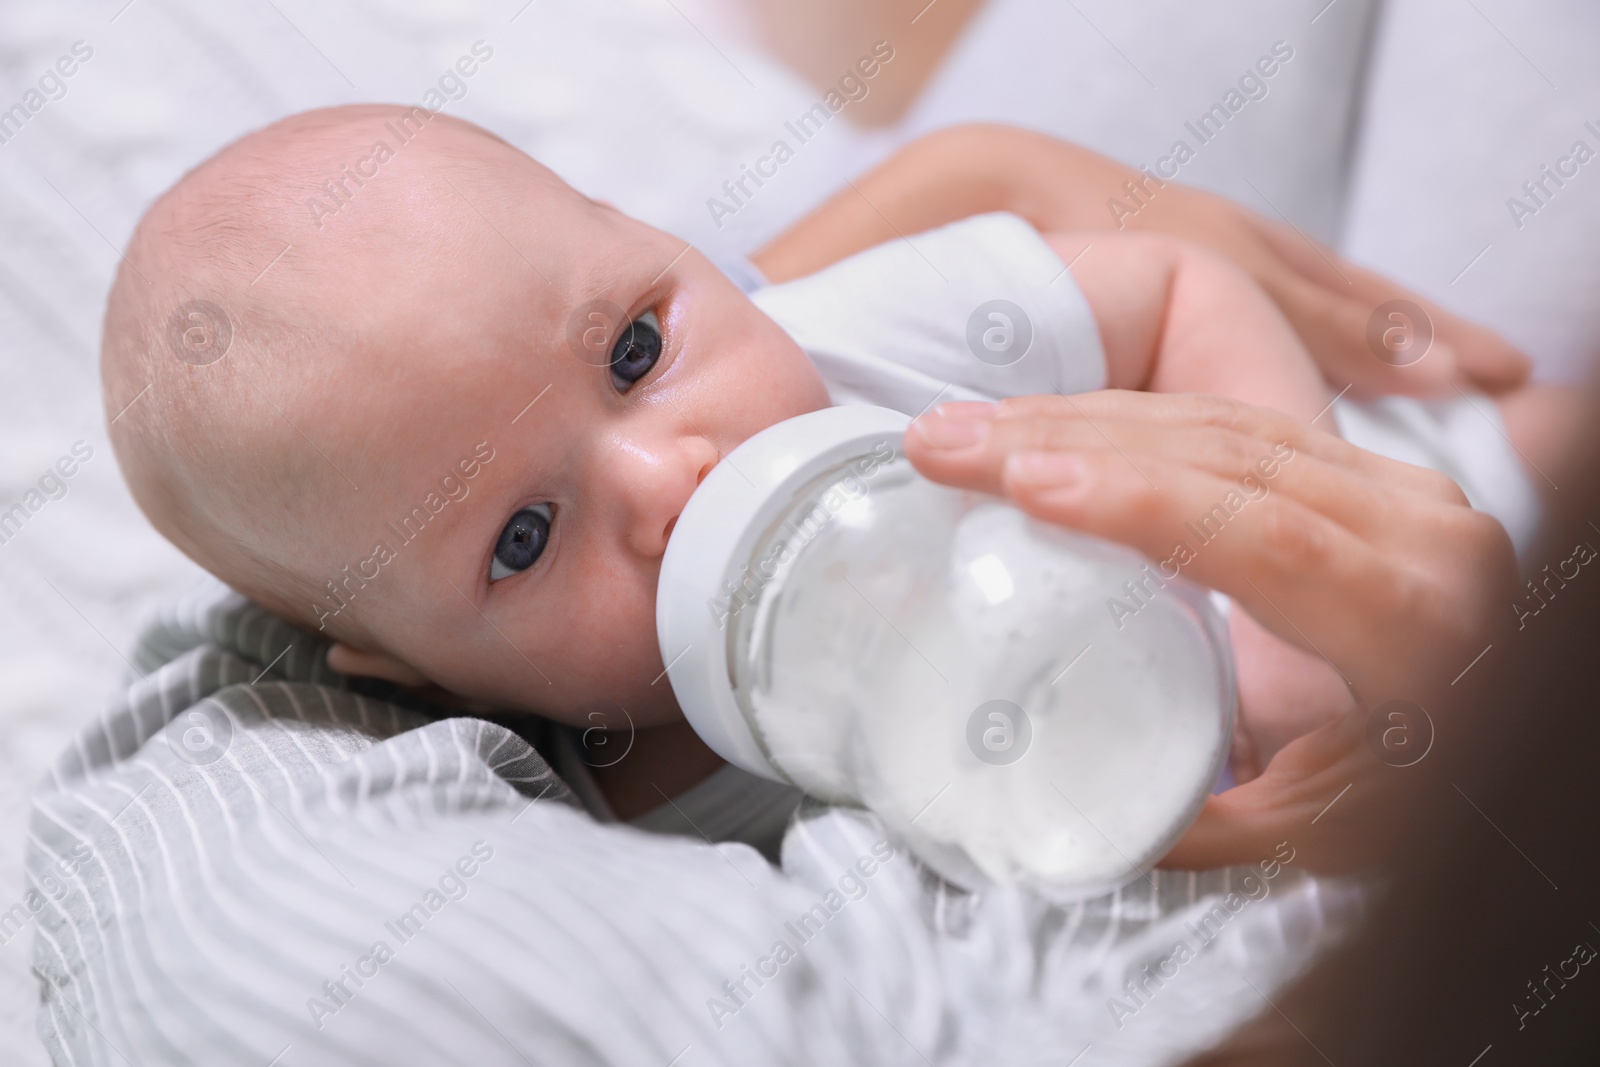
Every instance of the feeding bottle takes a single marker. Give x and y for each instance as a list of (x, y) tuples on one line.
[(1017, 702)]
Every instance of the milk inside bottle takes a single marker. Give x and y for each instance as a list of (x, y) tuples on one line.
[(1018, 703)]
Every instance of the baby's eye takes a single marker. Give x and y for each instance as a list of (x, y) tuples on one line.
[(636, 351), (521, 542)]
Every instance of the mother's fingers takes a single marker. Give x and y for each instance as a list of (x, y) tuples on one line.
[(1334, 327), (1259, 552), (1332, 303), (1288, 802), (1489, 360), (1223, 436), (1376, 514), (1378, 566)]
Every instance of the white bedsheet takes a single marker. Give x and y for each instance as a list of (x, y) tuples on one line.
[(653, 106)]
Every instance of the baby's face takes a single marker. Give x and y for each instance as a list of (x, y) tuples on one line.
[(521, 451)]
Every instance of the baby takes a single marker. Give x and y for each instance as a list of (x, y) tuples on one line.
[(451, 423)]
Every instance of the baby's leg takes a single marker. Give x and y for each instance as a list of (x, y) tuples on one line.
[(1175, 318)]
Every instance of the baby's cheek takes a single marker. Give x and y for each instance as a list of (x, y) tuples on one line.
[(573, 649), (761, 377)]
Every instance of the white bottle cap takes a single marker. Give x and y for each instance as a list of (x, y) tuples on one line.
[(711, 544)]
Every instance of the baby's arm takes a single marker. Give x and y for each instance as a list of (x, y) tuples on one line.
[(1175, 318)]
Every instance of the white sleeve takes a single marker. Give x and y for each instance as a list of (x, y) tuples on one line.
[(979, 309)]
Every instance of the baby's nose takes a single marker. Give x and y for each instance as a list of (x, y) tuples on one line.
[(657, 479)]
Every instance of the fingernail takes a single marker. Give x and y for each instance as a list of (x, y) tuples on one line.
[(944, 431), (1044, 469)]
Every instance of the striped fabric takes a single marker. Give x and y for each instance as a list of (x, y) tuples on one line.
[(247, 861), (730, 805)]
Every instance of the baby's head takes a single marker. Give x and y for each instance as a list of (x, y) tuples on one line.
[(378, 374)]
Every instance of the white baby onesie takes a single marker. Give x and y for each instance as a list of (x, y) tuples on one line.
[(983, 309), (890, 325)]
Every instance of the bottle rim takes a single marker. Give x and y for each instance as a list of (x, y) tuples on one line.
[(708, 558)]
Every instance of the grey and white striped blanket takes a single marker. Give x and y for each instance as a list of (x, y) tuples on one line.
[(246, 861)]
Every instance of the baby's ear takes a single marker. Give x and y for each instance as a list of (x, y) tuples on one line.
[(353, 661)]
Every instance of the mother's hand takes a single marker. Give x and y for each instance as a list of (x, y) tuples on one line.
[(962, 171), (1343, 313), (1380, 567)]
